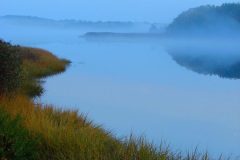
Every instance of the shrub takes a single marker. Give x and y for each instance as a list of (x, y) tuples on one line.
[(15, 141), (10, 68)]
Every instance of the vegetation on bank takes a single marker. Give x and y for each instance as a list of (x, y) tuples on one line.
[(21, 68), (36, 131), (66, 135), (38, 63), (10, 68)]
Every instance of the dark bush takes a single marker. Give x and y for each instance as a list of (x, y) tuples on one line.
[(32, 88), (15, 141), (10, 68)]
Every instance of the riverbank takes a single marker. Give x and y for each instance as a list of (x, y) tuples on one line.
[(65, 134), (38, 63)]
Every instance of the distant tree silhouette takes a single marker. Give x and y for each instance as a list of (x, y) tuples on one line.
[(208, 18)]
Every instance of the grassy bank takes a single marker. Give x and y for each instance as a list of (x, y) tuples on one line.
[(58, 134), (38, 63), (66, 135), (41, 63)]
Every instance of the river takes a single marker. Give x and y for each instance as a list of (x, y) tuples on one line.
[(137, 87)]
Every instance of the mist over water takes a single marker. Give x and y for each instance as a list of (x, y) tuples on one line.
[(184, 91)]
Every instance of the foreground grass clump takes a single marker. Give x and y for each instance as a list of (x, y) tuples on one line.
[(15, 141), (68, 135), (65, 135)]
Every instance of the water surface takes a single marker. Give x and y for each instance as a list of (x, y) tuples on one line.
[(139, 87)]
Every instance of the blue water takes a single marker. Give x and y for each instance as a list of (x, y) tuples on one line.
[(136, 87)]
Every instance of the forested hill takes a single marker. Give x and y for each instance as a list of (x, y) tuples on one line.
[(208, 20)]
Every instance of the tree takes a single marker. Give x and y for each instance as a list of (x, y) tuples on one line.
[(10, 68)]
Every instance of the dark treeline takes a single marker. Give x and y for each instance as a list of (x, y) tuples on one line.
[(208, 20), (112, 35)]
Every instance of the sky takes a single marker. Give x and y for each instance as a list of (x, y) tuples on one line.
[(104, 10)]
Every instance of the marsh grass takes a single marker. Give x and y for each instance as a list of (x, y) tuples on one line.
[(66, 134), (15, 141), (38, 63)]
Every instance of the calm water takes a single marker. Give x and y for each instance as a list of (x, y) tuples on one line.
[(137, 87)]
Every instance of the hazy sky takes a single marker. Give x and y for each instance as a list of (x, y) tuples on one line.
[(122, 10)]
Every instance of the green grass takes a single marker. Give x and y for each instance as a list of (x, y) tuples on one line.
[(15, 141)]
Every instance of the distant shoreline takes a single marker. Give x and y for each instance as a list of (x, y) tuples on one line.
[(110, 35)]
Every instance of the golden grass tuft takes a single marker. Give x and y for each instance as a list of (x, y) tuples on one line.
[(38, 63), (41, 63), (64, 134)]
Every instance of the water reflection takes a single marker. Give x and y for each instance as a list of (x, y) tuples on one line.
[(211, 58)]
